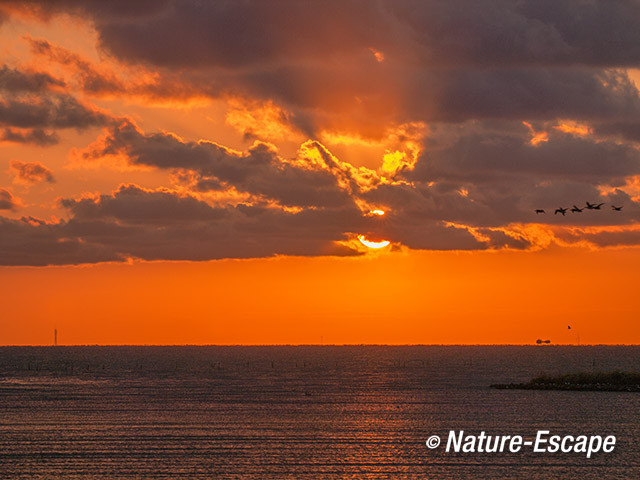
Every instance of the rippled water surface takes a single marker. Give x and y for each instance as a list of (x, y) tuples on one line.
[(301, 412)]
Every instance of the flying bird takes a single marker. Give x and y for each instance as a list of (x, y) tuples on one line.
[(617, 209), (593, 206), (539, 210), (576, 209), (561, 210)]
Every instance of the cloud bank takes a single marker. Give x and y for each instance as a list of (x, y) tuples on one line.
[(497, 108)]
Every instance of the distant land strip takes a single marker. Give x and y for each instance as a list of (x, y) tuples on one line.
[(615, 381)]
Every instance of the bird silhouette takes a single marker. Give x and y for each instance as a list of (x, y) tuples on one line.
[(617, 209), (593, 206), (561, 210), (539, 210), (576, 209)]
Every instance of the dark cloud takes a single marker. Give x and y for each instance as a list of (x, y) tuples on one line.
[(100, 80), (164, 225), (31, 172), (56, 111), (33, 102), (91, 79), (228, 33), (34, 136), (527, 93), (154, 225), (133, 205), (626, 130), (355, 95), (443, 61), (530, 32), (490, 32), (32, 242), (613, 237), (484, 176), (487, 174), (7, 201), (476, 154), (260, 171), (430, 208), (13, 80)]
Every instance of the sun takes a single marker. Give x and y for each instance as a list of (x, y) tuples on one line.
[(370, 244)]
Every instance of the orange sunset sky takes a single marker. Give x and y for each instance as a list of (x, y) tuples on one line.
[(319, 172)]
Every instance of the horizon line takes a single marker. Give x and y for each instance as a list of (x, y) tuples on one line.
[(325, 345)]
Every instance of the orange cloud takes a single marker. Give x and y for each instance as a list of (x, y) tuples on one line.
[(630, 187), (262, 120), (574, 128), (113, 80), (29, 173), (377, 54), (537, 137)]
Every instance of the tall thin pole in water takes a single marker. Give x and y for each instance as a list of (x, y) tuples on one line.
[(55, 337)]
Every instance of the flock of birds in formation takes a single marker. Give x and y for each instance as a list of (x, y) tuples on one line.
[(589, 206)]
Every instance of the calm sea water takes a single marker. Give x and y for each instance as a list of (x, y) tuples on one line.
[(301, 412)]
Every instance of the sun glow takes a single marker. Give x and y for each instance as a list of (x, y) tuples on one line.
[(370, 244), (377, 212)]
